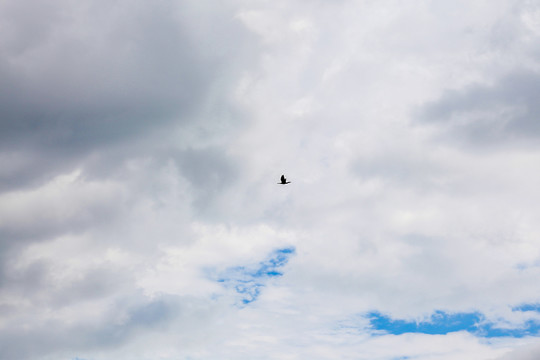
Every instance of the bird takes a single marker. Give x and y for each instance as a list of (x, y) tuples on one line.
[(284, 181)]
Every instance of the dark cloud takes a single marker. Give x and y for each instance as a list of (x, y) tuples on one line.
[(506, 111), (23, 281), (57, 337), (81, 90), (45, 226), (115, 89), (38, 283), (81, 77), (210, 172)]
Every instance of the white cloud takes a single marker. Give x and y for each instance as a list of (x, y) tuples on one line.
[(141, 147)]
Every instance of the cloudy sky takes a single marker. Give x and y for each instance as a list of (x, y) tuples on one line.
[(141, 143)]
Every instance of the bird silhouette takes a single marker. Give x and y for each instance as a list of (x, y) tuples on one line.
[(284, 181)]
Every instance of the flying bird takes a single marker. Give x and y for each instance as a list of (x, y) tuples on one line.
[(284, 181)]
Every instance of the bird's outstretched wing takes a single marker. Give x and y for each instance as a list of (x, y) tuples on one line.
[(283, 180)]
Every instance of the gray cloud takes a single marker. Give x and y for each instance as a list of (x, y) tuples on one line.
[(489, 114), (82, 77), (127, 318), (113, 89), (86, 89), (91, 85), (210, 172), (141, 143)]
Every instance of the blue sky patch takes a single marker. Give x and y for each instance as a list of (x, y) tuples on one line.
[(248, 281), (527, 307), (441, 323)]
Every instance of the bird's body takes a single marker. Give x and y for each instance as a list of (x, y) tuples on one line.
[(284, 181)]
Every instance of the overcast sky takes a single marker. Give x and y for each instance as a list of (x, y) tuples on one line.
[(141, 143)]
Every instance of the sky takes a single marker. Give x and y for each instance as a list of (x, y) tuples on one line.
[(141, 146)]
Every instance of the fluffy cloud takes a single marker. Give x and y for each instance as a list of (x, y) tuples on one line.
[(141, 144), (90, 78)]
